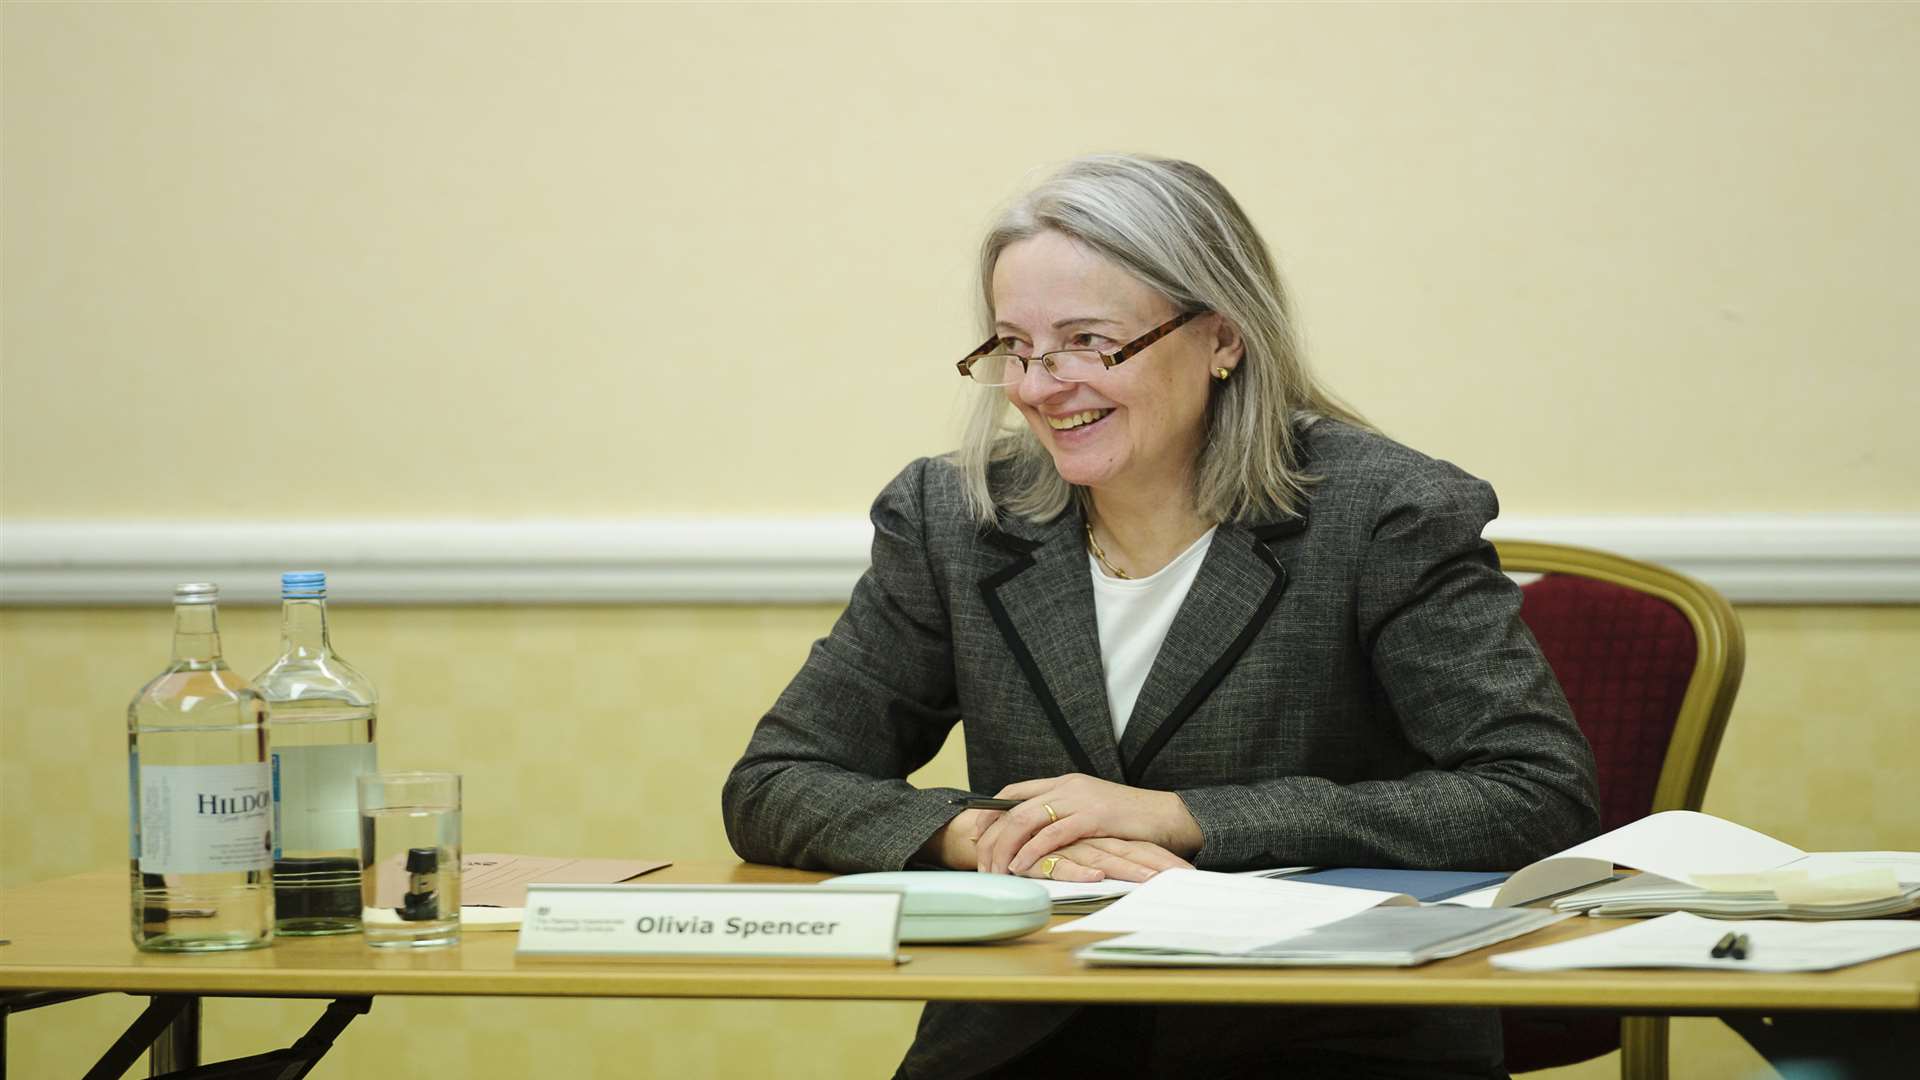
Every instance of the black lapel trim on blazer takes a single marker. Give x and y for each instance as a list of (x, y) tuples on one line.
[(1263, 535), (988, 591)]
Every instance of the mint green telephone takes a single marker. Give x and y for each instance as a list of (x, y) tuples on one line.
[(959, 905)]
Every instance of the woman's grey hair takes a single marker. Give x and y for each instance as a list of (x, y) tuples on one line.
[(1174, 227)]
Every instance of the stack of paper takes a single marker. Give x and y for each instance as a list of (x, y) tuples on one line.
[(473, 920), (1379, 937), (1258, 921), (1081, 898), (492, 880), (1673, 843), (1177, 901), (1824, 885), (1681, 940), (494, 887), (1698, 862), (1426, 886)]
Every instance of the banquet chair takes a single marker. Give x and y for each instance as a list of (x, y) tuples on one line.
[(1650, 661)]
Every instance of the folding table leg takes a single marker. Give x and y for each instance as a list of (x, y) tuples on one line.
[(293, 1063), (319, 1038), (178, 1045), (144, 1032)]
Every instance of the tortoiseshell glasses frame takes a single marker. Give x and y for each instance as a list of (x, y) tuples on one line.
[(1066, 365)]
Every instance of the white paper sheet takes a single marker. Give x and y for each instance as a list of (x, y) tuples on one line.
[(1904, 864), (473, 920), (1070, 891), (1181, 901), (1681, 940), (1678, 844)]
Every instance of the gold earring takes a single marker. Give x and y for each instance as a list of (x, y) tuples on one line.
[(1222, 373)]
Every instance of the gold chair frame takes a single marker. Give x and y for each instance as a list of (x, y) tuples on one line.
[(1704, 707)]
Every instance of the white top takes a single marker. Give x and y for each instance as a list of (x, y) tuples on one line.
[(1133, 615)]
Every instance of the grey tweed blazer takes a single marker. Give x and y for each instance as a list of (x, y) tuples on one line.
[(1352, 687)]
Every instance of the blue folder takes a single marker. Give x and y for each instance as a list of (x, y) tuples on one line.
[(1426, 886)]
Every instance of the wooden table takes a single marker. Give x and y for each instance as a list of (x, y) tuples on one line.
[(70, 935)]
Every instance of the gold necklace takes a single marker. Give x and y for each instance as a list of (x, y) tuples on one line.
[(1094, 546)]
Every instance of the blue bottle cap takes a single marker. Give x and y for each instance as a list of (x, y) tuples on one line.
[(303, 585)]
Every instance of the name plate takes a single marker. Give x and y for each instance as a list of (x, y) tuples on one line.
[(708, 921)]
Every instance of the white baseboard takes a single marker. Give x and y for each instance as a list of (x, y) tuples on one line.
[(1754, 559), (1758, 558)]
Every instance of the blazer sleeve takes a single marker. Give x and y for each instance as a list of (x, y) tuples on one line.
[(1511, 778), (822, 783)]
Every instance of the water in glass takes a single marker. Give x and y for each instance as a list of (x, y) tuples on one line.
[(410, 875)]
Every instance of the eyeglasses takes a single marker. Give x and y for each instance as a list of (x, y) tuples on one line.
[(989, 368)]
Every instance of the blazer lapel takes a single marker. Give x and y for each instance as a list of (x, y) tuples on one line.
[(1239, 584), (1042, 602)]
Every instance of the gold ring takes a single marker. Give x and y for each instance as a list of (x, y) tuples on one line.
[(1047, 866), (1051, 816)]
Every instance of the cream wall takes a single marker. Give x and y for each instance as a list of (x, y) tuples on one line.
[(338, 261), (543, 260)]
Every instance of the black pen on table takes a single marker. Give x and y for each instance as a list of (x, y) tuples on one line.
[(1731, 946), (981, 802)]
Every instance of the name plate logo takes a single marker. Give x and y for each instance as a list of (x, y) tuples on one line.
[(771, 921)]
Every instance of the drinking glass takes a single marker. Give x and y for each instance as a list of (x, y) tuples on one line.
[(410, 859)]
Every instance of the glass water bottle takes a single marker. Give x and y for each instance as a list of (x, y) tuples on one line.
[(322, 712), (201, 851)]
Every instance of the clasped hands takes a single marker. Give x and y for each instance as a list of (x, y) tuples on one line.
[(1090, 829)]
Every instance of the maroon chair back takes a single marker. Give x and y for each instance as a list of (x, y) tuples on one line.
[(1649, 661), (1624, 659)]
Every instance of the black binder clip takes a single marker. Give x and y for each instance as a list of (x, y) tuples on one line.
[(422, 901)]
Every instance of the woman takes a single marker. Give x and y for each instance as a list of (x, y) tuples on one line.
[(1191, 612)]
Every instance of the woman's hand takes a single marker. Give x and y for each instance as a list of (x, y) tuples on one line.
[(1061, 810), (956, 845), (1104, 857)]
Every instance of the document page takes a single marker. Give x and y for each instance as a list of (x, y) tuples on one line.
[(1071, 892), (1385, 936), (1426, 886), (1066, 892), (1681, 940), (491, 880), (1678, 844), (1254, 908), (1684, 850), (1905, 865)]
